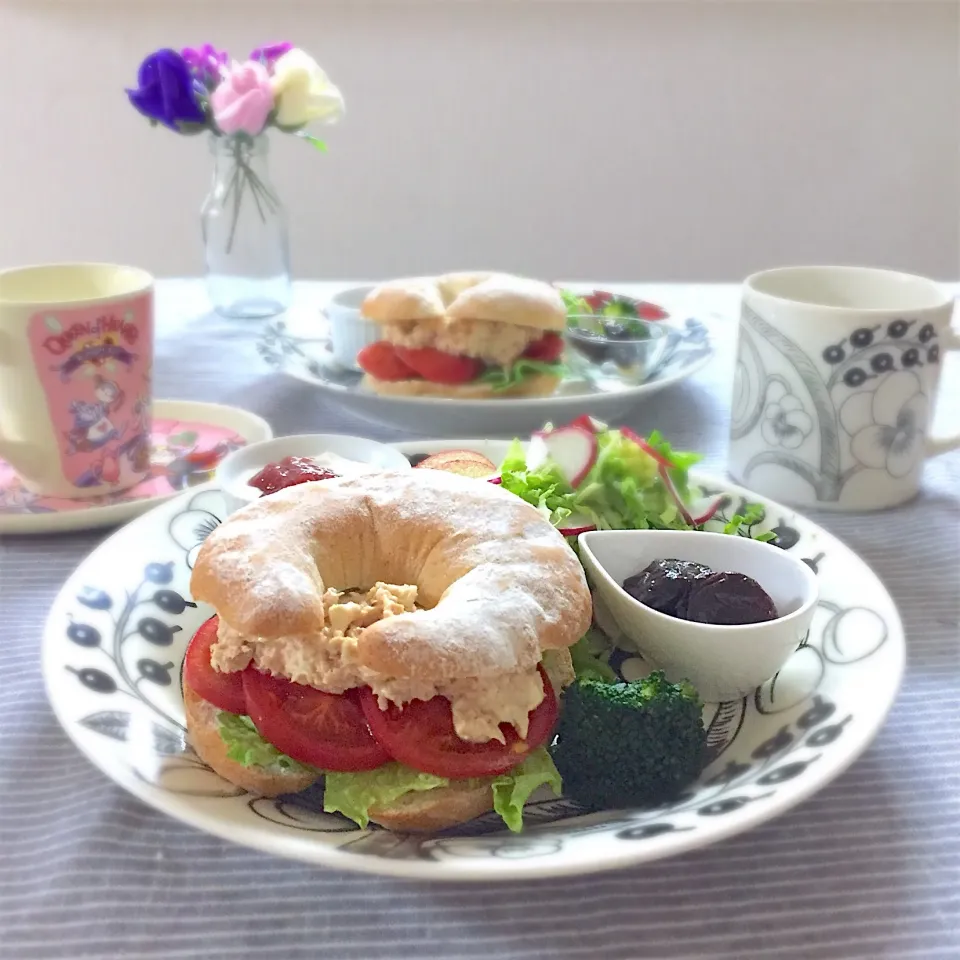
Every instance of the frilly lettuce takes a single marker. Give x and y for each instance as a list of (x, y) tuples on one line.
[(353, 794), (512, 790), (622, 491), (502, 378), (247, 747)]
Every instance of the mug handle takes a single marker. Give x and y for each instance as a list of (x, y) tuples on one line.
[(938, 445)]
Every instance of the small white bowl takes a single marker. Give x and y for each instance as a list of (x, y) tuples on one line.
[(365, 456), (724, 662), (349, 332)]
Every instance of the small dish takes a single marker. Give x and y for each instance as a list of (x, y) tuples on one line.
[(187, 441), (724, 662), (340, 452), (610, 353), (349, 331)]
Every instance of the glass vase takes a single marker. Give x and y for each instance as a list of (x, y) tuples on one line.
[(245, 232)]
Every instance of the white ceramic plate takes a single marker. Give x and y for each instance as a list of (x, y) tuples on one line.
[(114, 642), (188, 440), (300, 347)]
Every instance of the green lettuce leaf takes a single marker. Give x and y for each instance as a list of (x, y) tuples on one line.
[(590, 655), (502, 378), (622, 491), (353, 794), (512, 790), (247, 747)]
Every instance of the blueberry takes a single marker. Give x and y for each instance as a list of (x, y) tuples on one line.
[(787, 537), (592, 347), (897, 329), (780, 741), (169, 601), (94, 599), (881, 363), (95, 680), (817, 712), (83, 636), (159, 572), (855, 377), (158, 673), (156, 631)]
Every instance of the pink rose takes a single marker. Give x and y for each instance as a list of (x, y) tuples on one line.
[(243, 99)]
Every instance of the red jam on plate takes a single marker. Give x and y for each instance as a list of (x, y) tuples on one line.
[(288, 473)]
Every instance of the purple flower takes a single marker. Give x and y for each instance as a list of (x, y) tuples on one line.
[(165, 92), (205, 63), (270, 52)]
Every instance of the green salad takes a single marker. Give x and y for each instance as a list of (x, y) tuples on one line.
[(585, 476)]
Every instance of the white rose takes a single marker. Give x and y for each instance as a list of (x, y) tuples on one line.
[(303, 92)]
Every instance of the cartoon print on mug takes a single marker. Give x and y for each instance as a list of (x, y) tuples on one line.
[(868, 384), (92, 363), (92, 427)]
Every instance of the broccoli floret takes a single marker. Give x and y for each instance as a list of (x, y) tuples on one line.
[(629, 744)]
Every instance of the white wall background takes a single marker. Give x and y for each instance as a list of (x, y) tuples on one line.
[(634, 140)]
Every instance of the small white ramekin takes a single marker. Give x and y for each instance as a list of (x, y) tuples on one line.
[(724, 662), (349, 332), (238, 468)]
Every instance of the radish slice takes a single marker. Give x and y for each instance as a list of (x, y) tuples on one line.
[(495, 480), (668, 483), (645, 447), (576, 531), (586, 422), (537, 452), (573, 450), (711, 510)]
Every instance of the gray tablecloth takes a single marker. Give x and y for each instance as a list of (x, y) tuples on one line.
[(868, 868)]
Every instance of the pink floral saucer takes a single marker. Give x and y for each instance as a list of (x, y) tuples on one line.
[(188, 440)]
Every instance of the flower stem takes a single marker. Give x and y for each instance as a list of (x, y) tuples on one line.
[(245, 177)]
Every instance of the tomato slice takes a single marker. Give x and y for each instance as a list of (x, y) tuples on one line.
[(440, 367), (380, 360), (548, 349), (223, 690), (325, 730), (421, 735)]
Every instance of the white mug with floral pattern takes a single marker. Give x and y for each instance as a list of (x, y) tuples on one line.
[(836, 382)]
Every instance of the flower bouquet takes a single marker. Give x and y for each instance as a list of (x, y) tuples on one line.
[(203, 90)]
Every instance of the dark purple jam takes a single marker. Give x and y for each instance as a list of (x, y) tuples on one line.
[(692, 591)]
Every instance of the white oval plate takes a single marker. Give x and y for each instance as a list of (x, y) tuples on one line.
[(299, 346), (219, 428), (114, 643)]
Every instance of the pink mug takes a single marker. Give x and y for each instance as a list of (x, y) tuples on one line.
[(76, 361)]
